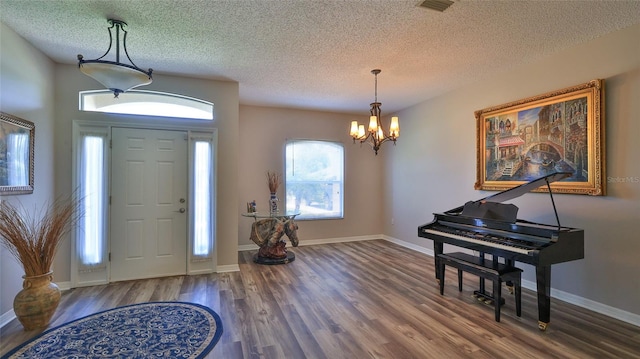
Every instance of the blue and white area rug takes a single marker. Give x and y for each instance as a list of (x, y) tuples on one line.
[(147, 330)]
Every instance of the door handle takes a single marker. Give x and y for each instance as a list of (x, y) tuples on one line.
[(181, 210)]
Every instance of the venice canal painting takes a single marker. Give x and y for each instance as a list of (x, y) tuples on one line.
[(524, 145)]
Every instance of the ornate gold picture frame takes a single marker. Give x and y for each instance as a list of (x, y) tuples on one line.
[(17, 145), (560, 131)]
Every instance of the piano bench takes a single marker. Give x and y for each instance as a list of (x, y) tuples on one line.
[(484, 268)]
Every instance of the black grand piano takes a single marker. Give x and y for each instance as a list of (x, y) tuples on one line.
[(490, 227)]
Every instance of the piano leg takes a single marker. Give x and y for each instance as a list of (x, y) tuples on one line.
[(509, 284), (543, 283), (437, 249), (481, 290)]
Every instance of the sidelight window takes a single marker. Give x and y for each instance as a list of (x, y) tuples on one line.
[(202, 218), (92, 192)]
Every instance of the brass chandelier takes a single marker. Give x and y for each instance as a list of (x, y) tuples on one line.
[(116, 76), (375, 136)]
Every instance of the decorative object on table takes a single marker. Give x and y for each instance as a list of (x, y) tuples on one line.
[(267, 233), (274, 181), (17, 156), (273, 204), (251, 206), (375, 134), (34, 242), (118, 77), (146, 330), (560, 131)]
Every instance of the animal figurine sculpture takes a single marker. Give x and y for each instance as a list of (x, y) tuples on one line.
[(267, 233)]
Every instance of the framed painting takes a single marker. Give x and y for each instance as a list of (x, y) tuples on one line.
[(560, 131), (17, 144)]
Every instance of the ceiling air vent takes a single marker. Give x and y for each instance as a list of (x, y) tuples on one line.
[(438, 5)]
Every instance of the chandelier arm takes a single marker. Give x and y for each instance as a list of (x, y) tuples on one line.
[(124, 43), (110, 40), (371, 143)]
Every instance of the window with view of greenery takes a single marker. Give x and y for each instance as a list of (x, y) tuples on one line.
[(314, 179)]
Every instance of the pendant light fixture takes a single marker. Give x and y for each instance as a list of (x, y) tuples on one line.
[(116, 76), (375, 136)]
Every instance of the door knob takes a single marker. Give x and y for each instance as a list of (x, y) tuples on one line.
[(181, 210)]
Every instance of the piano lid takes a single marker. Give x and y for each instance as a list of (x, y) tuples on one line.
[(518, 191)]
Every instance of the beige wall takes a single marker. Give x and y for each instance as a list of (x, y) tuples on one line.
[(433, 167), (26, 91), (263, 133)]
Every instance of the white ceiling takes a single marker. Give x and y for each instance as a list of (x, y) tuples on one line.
[(318, 54)]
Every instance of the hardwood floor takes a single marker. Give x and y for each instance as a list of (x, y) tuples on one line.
[(369, 299)]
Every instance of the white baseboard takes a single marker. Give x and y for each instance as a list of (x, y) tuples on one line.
[(409, 245), (7, 317), (313, 242), (64, 285), (597, 307), (248, 247), (227, 268)]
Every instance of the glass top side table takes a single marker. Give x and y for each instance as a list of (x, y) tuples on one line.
[(258, 215), (267, 231)]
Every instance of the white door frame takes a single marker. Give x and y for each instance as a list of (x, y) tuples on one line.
[(195, 129)]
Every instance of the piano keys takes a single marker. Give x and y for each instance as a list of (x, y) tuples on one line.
[(491, 227)]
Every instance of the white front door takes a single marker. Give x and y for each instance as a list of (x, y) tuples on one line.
[(148, 203)]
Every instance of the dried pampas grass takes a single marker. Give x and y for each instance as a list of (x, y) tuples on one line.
[(35, 241), (274, 181)]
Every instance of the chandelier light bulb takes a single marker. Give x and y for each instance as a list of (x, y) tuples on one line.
[(373, 124)]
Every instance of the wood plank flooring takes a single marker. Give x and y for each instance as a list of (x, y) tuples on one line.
[(369, 299)]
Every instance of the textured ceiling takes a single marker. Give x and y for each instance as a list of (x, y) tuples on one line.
[(318, 54)]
